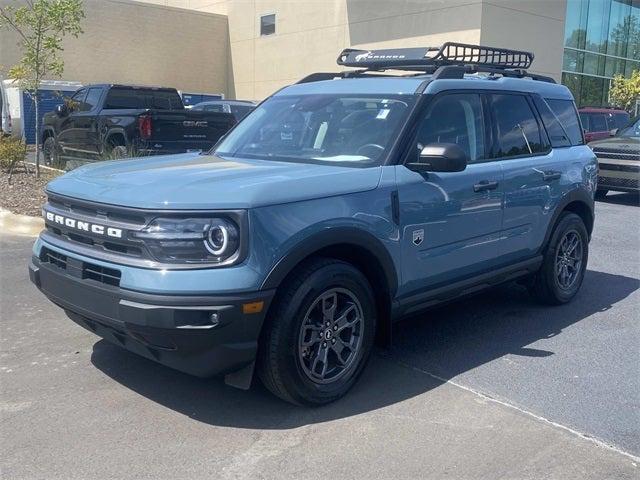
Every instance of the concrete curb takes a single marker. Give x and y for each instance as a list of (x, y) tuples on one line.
[(20, 224)]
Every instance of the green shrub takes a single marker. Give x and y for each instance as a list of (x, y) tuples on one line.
[(12, 151)]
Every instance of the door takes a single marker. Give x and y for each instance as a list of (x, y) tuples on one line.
[(450, 222), (532, 172), (84, 124), (68, 136)]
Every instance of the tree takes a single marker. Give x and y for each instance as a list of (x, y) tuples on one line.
[(625, 92), (41, 26)]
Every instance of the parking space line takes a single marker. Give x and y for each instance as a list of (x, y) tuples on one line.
[(484, 396)]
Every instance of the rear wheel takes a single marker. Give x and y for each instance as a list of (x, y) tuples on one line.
[(319, 333), (565, 262), (118, 151), (601, 193)]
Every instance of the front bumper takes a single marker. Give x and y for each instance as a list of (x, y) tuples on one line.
[(624, 177), (202, 335)]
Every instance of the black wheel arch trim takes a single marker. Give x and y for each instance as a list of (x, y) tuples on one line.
[(576, 195), (328, 238)]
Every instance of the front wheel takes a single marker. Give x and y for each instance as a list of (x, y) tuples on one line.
[(51, 154), (565, 262), (319, 333)]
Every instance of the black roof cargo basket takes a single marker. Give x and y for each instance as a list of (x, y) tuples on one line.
[(451, 60), (450, 53)]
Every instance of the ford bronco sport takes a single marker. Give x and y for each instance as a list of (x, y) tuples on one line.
[(338, 205)]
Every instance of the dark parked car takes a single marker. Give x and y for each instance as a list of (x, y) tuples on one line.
[(619, 160), (599, 123), (116, 121), (239, 108)]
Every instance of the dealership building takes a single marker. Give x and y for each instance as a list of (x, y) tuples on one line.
[(247, 49)]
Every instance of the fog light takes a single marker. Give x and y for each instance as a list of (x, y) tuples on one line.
[(214, 318)]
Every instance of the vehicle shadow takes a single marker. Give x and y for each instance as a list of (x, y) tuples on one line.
[(446, 342), (628, 199)]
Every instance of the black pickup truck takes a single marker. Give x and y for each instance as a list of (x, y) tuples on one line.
[(116, 121)]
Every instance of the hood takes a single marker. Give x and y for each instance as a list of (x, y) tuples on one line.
[(193, 181), (617, 145)]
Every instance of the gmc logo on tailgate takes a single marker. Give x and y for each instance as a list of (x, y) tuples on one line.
[(193, 123)]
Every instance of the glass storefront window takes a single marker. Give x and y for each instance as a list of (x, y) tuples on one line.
[(602, 39)]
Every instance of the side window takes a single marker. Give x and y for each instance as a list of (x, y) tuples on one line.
[(91, 100), (240, 111), (598, 123), (120, 98), (620, 120), (517, 130), (565, 111), (214, 108), (454, 118), (556, 132), (75, 102)]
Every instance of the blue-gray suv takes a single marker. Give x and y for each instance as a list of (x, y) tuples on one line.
[(337, 206)]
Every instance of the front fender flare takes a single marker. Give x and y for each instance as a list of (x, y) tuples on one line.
[(328, 238)]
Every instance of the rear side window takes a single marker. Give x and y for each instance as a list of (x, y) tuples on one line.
[(517, 130), (566, 113), (119, 98), (557, 134)]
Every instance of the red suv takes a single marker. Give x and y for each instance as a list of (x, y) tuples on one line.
[(598, 123)]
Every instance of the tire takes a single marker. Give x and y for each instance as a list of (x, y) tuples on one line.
[(118, 151), (51, 154), (601, 193), (289, 353), (556, 285)]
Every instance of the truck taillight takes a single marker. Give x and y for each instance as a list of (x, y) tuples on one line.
[(145, 126)]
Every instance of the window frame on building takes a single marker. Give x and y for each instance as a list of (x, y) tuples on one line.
[(263, 25)]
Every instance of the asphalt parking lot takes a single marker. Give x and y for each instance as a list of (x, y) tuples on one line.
[(494, 386)]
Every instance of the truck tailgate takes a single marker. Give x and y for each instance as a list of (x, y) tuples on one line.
[(185, 126)]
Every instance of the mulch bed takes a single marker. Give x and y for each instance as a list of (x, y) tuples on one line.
[(25, 194)]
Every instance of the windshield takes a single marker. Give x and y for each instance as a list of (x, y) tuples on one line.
[(633, 130), (355, 130)]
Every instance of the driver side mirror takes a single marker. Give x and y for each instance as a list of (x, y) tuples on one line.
[(440, 157), (613, 132), (62, 110)]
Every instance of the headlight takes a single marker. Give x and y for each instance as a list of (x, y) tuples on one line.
[(192, 240)]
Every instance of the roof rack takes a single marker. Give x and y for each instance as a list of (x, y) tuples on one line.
[(450, 53), (449, 61)]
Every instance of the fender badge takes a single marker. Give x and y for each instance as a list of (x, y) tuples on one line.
[(418, 236)]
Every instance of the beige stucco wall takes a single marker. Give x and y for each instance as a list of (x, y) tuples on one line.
[(130, 42), (310, 33), (194, 47)]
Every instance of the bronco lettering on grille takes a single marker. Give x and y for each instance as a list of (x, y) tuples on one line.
[(84, 226)]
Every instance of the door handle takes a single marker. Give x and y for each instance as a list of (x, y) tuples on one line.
[(550, 175), (485, 185)]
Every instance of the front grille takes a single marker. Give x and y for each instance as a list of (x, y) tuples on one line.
[(121, 218), (80, 269), (618, 155), (619, 182)]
